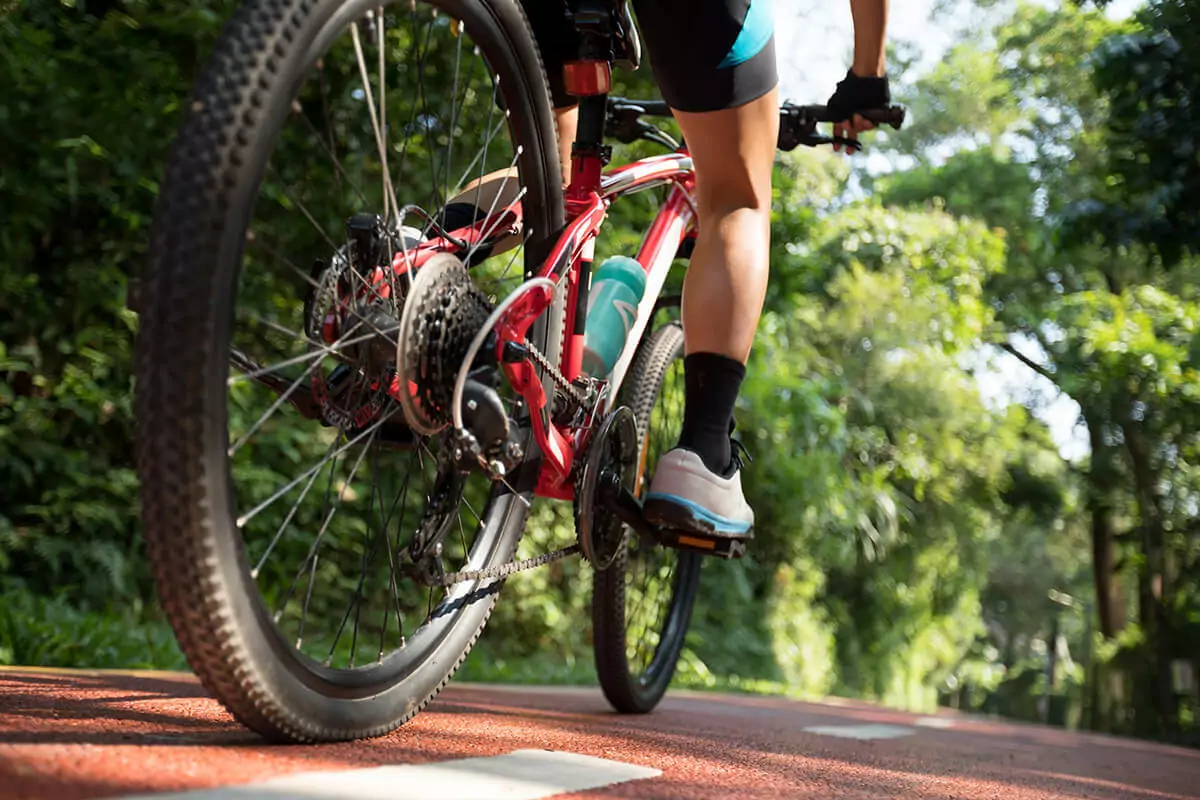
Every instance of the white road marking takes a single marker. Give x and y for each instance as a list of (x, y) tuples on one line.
[(519, 775), (942, 723), (862, 731)]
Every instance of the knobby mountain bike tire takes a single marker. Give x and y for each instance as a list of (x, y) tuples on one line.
[(642, 604), (190, 512)]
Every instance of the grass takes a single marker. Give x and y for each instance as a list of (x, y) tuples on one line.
[(44, 632)]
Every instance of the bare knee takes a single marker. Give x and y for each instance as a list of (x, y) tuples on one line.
[(733, 151), (742, 233)]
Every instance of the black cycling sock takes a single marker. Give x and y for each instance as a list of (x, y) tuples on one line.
[(711, 384)]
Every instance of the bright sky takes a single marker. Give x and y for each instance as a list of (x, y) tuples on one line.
[(813, 44)]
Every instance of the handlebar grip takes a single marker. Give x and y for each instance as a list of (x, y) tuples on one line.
[(651, 108), (888, 115)]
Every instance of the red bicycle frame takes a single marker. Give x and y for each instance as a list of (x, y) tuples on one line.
[(587, 198)]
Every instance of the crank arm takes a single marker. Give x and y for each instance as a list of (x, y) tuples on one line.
[(299, 397), (626, 506)]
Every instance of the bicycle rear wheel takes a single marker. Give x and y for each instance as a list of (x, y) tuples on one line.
[(281, 491), (642, 603)]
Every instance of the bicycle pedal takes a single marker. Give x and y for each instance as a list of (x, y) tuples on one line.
[(686, 540)]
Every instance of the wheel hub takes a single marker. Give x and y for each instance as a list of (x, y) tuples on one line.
[(352, 297)]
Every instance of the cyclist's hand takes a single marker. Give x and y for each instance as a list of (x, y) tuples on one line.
[(855, 94)]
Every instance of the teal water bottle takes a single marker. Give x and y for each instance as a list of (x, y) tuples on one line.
[(617, 288)]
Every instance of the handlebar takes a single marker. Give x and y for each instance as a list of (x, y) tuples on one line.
[(797, 124)]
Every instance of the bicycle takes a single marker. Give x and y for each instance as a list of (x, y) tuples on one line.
[(402, 355)]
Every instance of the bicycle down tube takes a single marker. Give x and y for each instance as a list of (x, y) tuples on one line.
[(571, 260)]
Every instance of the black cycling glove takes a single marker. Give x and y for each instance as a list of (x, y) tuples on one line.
[(855, 94)]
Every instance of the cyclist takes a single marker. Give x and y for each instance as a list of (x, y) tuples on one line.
[(720, 81)]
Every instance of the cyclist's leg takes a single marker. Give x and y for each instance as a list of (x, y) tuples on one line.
[(567, 118), (721, 80), (733, 151)]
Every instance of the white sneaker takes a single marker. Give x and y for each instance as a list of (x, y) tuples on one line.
[(686, 495)]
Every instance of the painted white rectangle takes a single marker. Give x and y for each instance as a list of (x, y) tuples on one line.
[(941, 723), (519, 775), (862, 731)]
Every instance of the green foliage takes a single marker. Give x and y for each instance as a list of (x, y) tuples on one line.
[(1151, 79), (909, 535), (1094, 208), (84, 143), (41, 631)]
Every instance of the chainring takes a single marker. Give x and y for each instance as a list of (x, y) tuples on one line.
[(443, 312), (612, 453)]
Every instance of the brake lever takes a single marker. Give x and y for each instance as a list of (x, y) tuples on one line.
[(816, 140), (624, 123)]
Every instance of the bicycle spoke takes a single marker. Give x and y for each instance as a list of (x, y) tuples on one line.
[(495, 282), (326, 350), (491, 209), (474, 513), (462, 535), (420, 56), (275, 326), (427, 120), (368, 558), (481, 157), (331, 147), (453, 110), (245, 518), (311, 557), (288, 519), (389, 192), (339, 172), (392, 548), (314, 550), (303, 209), (279, 401)]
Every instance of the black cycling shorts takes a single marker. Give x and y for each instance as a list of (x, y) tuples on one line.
[(706, 54)]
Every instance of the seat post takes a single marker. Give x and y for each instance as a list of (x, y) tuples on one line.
[(589, 78)]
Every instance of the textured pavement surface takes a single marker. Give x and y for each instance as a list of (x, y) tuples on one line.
[(94, 734)]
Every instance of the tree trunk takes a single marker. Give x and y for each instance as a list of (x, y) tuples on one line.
[(1110, 600), (1152, 589)]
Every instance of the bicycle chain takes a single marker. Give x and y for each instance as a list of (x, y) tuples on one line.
[(536, 356), (504, 570)]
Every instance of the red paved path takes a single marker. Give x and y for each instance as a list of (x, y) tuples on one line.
[(89, 735)]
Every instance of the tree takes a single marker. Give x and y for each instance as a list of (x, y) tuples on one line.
[(1079, 302), (1151, 79)]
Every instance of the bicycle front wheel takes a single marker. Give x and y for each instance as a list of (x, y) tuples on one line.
[(296, 526), (643, 602)]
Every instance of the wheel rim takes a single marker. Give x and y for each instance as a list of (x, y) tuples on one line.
[(326, 513)]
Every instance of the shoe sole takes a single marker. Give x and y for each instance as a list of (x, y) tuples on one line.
[(681, 519)]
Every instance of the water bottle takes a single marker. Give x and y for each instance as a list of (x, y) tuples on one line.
[(617, 288)]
